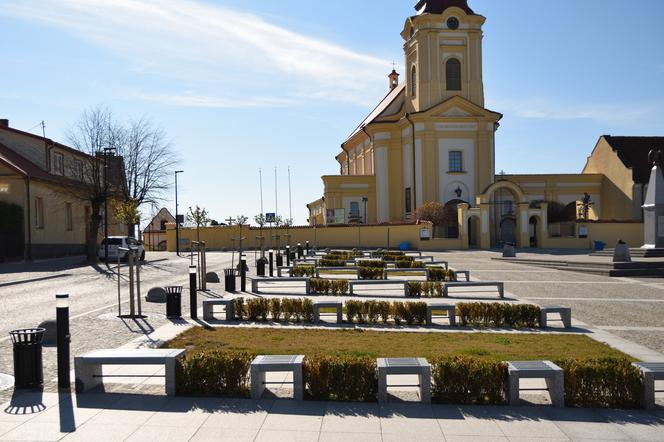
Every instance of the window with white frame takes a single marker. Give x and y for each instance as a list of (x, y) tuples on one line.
[(456, 161)]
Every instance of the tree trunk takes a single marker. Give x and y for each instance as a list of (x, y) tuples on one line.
[(95, 222)]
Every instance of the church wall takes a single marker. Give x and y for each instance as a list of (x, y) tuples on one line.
[(618, 185)]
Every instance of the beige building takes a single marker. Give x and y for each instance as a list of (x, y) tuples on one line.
[(154, 234), (42, 184), (431, 139)]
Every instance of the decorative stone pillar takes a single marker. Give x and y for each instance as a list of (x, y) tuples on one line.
[(462, 213), (485, 227), (522, 224)]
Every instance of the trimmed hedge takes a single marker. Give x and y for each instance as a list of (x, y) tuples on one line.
[(418, 289), (213, 373), (408, 264), (286, 309), (440, 274), (468, 381), (601, 383), (332, 262), (335, 287), (340, 378), (371, 273), (303, 270), (480, 314), (375, 263)]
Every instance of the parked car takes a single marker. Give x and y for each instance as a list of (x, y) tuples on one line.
[(115, 243)]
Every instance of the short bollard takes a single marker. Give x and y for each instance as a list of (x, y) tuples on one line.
[(63, 340), (280, 260), (300, 251), (193, 298), (260, 266), (308, 250), (271, 254), (243, 275), (288, 256)]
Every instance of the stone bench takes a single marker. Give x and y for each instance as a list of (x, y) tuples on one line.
[(550, 372), (352, 284), (650, 372), (281, 269), (407, 270), (466, 273), (499, 285), (256, 281), (445, 264), (404, 366), (564, 312), (319, 305), (337, 269), (208, 308), (265, 364), (88, 367), (449, 308)]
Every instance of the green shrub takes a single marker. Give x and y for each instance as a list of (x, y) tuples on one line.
[(303, 270), (332, 262), (417, 265), (393, 256), (258, 309), (372, 310), (440, 274), (468, 381), (340, 287), (340, 254), (371, 263), (601, 383), (384, 311), (354, 311), (480, 314), (320, 286), (238, 308), (371, 272), (414, 289), (275, 309), (213, 373), (409, 312), (338, 378)]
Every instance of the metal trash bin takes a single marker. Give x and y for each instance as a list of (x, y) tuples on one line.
[(174, 302), (28, 365), (229, 279)]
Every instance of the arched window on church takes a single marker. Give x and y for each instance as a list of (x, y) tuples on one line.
[(413, 82), (453, 74)]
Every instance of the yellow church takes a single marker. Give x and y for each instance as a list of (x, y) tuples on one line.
[(431, 139)]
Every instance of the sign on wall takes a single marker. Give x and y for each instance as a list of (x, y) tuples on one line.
[(270, 217), (425, 234)]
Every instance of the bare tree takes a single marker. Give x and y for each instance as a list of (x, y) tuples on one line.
[(94, 132), (148, 160)]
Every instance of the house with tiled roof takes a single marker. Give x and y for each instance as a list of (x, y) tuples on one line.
[(43, 189)]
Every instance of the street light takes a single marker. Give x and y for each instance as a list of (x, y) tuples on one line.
[(106, 153), (177, 222)]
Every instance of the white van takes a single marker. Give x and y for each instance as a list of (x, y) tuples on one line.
[(117, 242)]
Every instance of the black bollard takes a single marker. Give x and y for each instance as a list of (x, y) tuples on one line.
[(288, 257), (243, 275), (300, 252), (63, 340), (280, 260), (307, 248), (271, 263), (193, 298)]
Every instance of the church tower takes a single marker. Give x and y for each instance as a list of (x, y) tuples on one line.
[(443, 54)]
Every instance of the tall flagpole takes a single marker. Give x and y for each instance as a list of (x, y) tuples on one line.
[(276, 194), (290, 205), (260, 181)]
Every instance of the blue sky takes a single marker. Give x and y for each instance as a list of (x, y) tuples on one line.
[(243, 85)]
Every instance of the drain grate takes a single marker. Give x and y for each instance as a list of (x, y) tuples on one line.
[(6, 381)]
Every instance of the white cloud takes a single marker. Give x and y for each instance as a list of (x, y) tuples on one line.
[(197, 43), (548, 109)]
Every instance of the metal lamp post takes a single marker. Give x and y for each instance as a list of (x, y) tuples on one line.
[(63, 340), (106, 153), (193, 301), (177, 222), (271, 259)]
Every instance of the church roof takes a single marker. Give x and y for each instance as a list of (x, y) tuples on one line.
[(439, 6), (633, 152), (381, 109)]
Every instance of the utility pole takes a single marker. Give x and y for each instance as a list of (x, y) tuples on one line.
[(107, 151), (177, 221)]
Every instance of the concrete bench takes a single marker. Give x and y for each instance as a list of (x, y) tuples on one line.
[(550, 372), (444, 264), (564, 312), (650, 372), (208, 308), (372, 282), (319, 305), (337, 269), (404, 366), (256, 281), (410, 270), (265, 364), (88, 367), (466, 273), (449, 308), (281, 269), (498, 285)]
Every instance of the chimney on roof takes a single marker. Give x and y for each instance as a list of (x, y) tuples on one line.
[(4, 122), (394, 79)]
